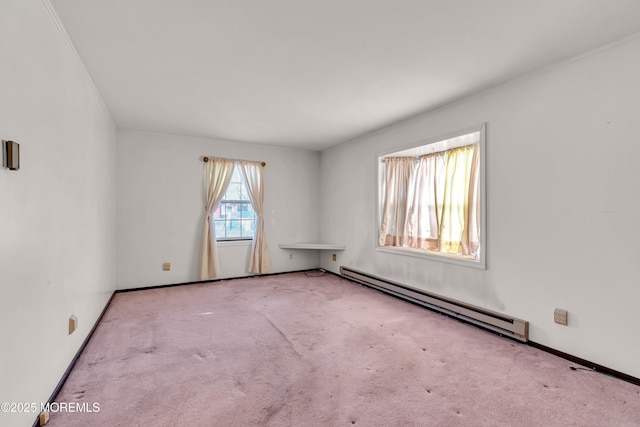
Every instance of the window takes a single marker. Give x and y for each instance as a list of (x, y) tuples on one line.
[(235, 219), (430, 199)]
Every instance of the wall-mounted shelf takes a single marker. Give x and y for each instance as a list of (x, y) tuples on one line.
[(313, 245)]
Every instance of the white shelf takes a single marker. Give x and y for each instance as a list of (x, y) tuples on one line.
[(313, 245)]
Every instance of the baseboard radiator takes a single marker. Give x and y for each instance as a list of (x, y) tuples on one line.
[(487, 319)]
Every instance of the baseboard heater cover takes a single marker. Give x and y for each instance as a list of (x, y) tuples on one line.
[(494, 321)]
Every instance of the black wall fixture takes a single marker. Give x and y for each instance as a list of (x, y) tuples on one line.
[(11, 155)]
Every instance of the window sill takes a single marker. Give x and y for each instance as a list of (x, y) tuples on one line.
[(434, 256), (234, 242)]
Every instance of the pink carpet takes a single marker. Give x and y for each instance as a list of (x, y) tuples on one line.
[(292, 350)]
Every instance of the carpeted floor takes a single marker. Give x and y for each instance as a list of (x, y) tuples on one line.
[(292, 350)]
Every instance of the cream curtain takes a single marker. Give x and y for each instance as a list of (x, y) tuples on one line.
[(398, 174), (471, 245), (218, 173), (252, 173), (460, 207), (426, 202), (435, 205)]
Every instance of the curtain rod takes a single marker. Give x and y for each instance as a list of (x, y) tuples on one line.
[(434, 151), (206, 159)]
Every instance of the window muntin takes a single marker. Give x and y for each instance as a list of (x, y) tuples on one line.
[(431, 219), (234, 218)]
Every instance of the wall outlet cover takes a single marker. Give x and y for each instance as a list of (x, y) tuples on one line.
[(560, 316), (73, 324)]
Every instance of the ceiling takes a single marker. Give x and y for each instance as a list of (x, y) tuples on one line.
[(315, 73)]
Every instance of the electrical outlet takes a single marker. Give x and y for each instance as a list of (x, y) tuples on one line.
[(166, 266), (44, 417), (290, 256), (560, 316), (333, 257), (73, 324)]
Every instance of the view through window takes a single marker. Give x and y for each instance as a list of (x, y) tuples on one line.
[(235, 219)]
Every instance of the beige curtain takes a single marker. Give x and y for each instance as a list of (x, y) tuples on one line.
[(472, 243), (252, 172), (460, 207), (434, 205), (426, 202), (218, 173), (398, 173)]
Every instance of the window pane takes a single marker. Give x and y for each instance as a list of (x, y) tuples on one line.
[(245, 193), (234, 192), (235, 218), (234, 228), (220, 229), (236, 175), (217, 213)]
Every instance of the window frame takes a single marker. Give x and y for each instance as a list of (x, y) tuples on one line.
[(234, 201), (481, 262)]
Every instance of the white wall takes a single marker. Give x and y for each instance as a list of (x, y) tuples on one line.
[(160, 207), (563, 166), (57, 213)]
